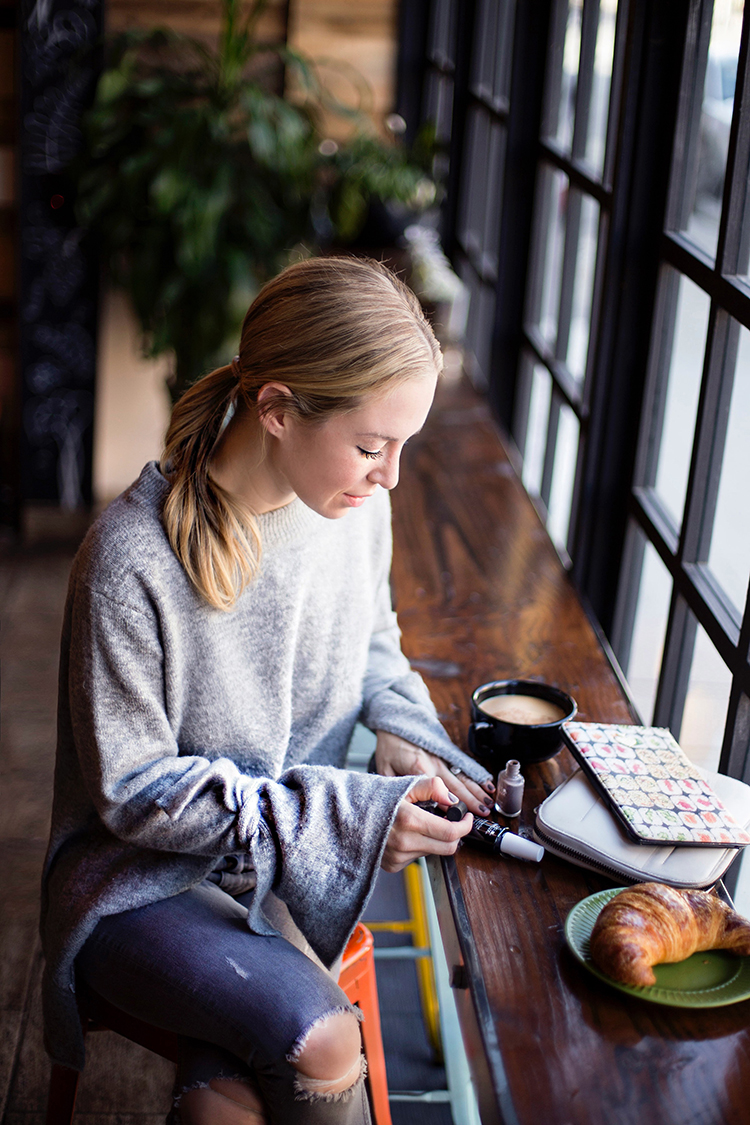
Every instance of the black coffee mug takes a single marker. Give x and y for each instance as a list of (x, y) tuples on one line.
[(494, 741)]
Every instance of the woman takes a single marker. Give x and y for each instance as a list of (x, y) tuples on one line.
[(228, 622)]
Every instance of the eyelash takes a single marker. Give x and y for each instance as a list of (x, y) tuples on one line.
[(370, 454)]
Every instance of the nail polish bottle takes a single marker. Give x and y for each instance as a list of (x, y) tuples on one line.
[(509, 796)]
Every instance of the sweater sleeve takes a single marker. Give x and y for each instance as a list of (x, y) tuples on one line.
[(395, 698), (145, 792)]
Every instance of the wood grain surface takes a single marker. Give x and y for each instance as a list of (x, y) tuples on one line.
[(482, 595)]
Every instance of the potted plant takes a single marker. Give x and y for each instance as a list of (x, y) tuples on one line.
[(197, 180)]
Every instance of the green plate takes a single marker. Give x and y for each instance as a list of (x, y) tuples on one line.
[(705, 980)]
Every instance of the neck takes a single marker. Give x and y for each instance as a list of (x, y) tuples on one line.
[(242, 464)]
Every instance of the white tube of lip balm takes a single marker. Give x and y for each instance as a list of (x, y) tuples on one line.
[(491, 837), (517, 846)]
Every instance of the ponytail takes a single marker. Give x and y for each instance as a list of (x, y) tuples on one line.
[(334, 331), (215, 538)]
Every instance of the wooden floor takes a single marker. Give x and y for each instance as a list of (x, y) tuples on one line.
[(122, 1083)]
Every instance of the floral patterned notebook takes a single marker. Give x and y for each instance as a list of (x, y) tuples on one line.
[(650, 784)]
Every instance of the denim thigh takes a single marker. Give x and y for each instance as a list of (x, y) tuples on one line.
[(190, 965)]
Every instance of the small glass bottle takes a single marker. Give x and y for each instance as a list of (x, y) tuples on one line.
[(509, 795)]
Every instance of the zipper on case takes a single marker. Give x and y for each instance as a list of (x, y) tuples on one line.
[(605, 869), (554, 845)]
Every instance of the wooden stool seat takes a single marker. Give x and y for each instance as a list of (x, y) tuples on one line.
[(357, 979)]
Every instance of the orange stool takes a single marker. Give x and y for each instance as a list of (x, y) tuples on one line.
[(357, 979)]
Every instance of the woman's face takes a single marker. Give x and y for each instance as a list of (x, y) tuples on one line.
[(335, 465)]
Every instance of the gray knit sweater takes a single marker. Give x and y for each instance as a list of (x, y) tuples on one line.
[(186, 734)]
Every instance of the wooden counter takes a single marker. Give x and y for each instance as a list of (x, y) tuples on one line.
[(481, 595)]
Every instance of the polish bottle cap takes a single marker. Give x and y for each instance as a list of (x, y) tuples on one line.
[(520, 848)]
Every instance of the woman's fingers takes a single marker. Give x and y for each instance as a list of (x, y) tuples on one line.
[(416, 832), (395, 756)]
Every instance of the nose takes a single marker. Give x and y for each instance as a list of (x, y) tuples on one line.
[(385, 473)]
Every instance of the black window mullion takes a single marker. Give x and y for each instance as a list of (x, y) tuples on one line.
[(616, 90), (735, 756), (679, 644), (584, 84), (656, 33), (554, 68), (735, 750), (686, 146), (734, 232), (553, 425), (711, 430), (657, 380), (457, 147), (623, 625)]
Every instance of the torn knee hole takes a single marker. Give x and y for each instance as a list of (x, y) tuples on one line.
[(330, 1089)]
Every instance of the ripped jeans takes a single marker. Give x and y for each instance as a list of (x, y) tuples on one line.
[(242, 1003)]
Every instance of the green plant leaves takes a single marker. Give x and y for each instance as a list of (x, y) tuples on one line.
[(198, 180)]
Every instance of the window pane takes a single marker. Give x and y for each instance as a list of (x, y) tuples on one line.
[(536, 431), (652, 611), (681, 397), (712, 142), (503, 52), (600, 85), (479, 325), (583, 288), (439, 107), (491, 77), (705, 714), (563, 477), (552, 201), (562, 73), (729, 555), (442, 32), (481, 195), (474, 193)]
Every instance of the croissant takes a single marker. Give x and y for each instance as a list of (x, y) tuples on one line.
[(651, 923)]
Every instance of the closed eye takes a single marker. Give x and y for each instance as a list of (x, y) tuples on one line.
[(370, 453)]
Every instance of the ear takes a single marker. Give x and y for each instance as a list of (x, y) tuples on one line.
[(271, 412)]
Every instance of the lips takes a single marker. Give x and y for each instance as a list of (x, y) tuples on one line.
[(356, 501)]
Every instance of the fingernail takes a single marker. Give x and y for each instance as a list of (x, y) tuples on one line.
[(453, 798), (489, 787), (484, 809)]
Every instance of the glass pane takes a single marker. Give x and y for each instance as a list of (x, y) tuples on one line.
[(479, 325), (562, 74), (583, 288), (552, 202), (715, 120), (681, 397), (536, 432), (705, 714), (600, 85), (474, 193), (493, 197), (503, 52), (652, 611), (439, 108), (563, 477), (484, 58), (442, 31), (729, 555)]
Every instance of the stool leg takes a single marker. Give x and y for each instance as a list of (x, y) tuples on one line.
[(61, 1102), (373, 1044)]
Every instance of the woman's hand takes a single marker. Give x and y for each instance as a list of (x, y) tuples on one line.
[(416, 832), (395, 757)]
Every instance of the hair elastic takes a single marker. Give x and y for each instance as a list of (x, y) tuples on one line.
[(236, 369)]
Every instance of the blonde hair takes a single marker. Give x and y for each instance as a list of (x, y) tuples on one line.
[(332, 330)]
